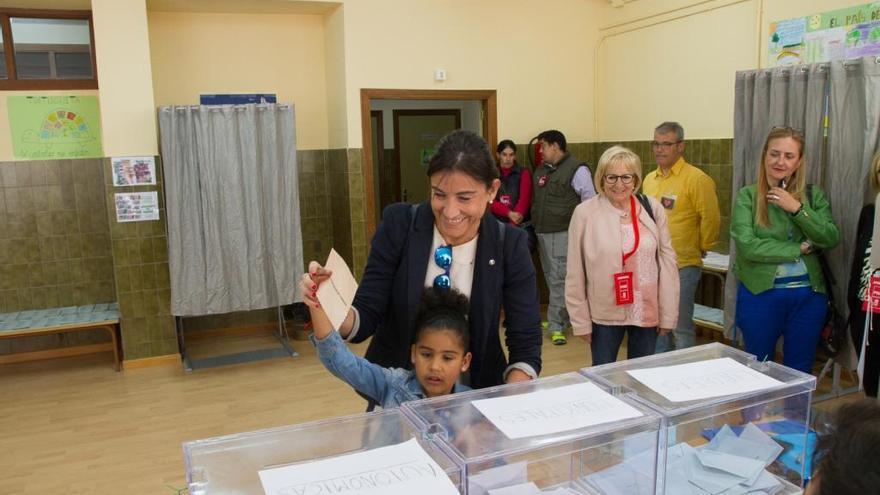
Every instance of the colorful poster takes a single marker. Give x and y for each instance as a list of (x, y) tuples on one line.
[(133, 170), (137, 207), (54, 127), (839, 34)]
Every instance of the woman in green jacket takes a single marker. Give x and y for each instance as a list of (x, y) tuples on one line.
[(777, 225)]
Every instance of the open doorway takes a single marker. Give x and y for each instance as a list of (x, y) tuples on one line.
[(386, 111)]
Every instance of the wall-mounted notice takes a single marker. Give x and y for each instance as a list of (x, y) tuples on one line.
[(133, 170), (703, 379), (401, 469), (554, 410), (54, 127), (137, 207), (840, 34)]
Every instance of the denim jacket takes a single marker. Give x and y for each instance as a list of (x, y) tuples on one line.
[(390, 387)]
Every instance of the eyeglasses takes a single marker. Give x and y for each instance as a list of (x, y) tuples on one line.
[(443, 258), (665, 145), (626, 178)]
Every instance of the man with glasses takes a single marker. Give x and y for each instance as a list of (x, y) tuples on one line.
[(689, 197), (560, 184)]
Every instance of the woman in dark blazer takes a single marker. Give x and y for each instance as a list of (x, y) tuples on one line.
[(450, 240)]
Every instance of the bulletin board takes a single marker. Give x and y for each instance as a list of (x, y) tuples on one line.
[(839, 34)]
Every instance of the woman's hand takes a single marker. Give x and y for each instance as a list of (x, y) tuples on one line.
[(588, 338), (308, 286), (781, 198), (663, 331), (517, 375), (515, 217)]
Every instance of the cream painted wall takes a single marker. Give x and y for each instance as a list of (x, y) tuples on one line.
[(677, 59), (334, 50), (200, 53), (537, 54), (128, 115)]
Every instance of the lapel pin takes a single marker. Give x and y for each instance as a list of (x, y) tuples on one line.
[(492, 262)]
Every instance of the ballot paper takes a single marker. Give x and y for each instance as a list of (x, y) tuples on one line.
[(554, 410), (514, 474), (728, 465), (337, 293), (520, 489), (401, 469), (703, 379)]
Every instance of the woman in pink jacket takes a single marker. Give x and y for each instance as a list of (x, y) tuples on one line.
[(622, 276)]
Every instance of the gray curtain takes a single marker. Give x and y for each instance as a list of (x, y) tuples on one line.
[(231, 185), (854, 116), (766, 98)]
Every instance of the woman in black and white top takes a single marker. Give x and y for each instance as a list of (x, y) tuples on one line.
[(865, 263)]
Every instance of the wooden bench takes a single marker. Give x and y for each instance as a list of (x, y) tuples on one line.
[(65, 320)]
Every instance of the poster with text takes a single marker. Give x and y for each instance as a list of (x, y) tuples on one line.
[(133, 170), (137, 207), (54, 127), (835, 35)]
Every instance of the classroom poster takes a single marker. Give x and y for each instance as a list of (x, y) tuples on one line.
[(137, 207), (839, 34), (54, 127), (133, 170)]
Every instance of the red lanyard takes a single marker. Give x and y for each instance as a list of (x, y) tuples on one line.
[(635, 221)]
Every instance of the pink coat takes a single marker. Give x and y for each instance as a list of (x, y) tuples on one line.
[(589, 282)]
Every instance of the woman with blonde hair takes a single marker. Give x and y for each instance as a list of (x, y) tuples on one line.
[(777, 225), (622, 276), (865, 264)]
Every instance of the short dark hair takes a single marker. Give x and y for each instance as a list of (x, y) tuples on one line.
[(667, 127), (845, 459), (443, 310), (466, 152), (553, 136), (504, 144)]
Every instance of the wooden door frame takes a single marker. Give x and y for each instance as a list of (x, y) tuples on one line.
[(487, 97), (380, 139), (396, 114)]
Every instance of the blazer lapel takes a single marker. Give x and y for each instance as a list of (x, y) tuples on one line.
[(487, 269), (418, 252)]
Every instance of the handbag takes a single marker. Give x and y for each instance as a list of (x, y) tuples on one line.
[(833, 335)]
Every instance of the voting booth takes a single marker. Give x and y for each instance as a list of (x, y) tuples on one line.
[(379, 451), (560, 435), (733, 423)]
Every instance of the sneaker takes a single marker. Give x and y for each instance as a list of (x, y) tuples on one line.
[(557, 337)]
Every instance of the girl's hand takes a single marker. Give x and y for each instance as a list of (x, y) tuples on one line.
[(308, 285), (781, 198)]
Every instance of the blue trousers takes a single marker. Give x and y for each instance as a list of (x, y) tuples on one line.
[(798, 315), (607, 339)]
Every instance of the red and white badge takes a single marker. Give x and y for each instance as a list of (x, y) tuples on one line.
[(542, 181), (623, 288), (872, 294), (505, 199)]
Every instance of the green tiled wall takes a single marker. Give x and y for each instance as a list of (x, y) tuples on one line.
[(140, 255), (54, 243)]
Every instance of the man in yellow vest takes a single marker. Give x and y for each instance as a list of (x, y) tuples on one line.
[(691, 204)]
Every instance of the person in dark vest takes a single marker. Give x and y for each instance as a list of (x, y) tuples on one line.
[(560, 184)]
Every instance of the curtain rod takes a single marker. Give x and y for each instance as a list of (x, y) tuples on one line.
[(261, 106)]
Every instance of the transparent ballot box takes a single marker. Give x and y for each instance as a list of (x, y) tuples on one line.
[(562, 435), (353, 454), (732, 422)]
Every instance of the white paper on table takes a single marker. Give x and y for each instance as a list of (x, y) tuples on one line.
[(560, 491), (520, 489), (401, 469), (703, 379), (497, 477), (337, 293), (554, 410)]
